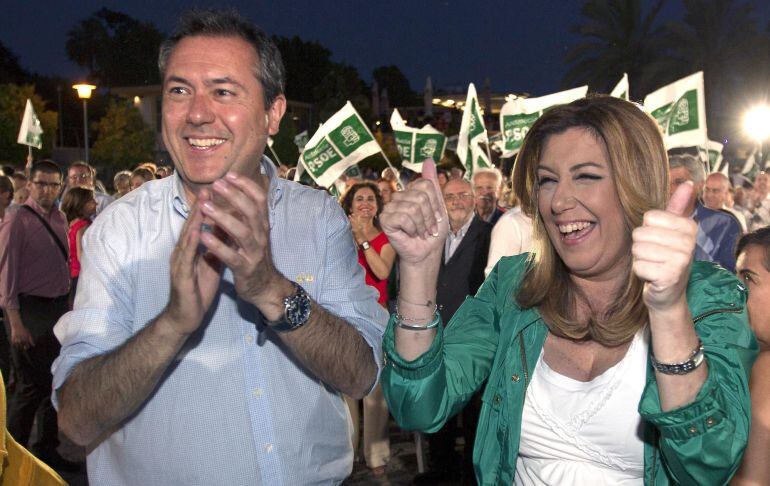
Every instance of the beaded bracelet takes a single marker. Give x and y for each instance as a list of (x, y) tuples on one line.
[(696, 359)]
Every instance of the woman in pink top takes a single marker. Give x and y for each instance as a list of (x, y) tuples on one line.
[(79, 205)]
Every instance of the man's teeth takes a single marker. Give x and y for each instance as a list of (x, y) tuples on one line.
[(205, 142), (569, 228)]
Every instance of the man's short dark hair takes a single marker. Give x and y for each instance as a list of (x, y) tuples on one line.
[(6, 185), (759, 238), (45, 166), (269, 69)]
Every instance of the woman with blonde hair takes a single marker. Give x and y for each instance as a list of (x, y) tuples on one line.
[(609, 356)]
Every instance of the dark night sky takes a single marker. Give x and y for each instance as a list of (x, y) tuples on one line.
[(518, 44)]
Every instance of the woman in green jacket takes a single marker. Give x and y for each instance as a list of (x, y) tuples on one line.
[(609, 356)]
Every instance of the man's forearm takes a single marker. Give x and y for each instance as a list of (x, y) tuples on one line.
[(14, 318), (334, 351), (102, 391)]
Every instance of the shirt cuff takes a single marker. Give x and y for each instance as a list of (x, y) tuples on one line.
[(422, 366)]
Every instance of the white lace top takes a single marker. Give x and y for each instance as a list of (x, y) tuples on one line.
[(584, 433)]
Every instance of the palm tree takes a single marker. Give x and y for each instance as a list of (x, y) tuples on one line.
[(720, 38), (619, 37)]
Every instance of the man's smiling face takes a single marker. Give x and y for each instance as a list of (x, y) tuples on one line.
[(214, 118)]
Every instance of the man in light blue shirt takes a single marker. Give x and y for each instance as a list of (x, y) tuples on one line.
[(220, 312)]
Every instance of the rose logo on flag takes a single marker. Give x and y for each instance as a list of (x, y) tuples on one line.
[(350, 135), (429, 148)]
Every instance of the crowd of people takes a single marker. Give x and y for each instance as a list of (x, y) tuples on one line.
[(600, 316)]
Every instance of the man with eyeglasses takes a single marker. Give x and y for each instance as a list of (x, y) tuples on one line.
[(34, 285), (461, 274), (81, 174)]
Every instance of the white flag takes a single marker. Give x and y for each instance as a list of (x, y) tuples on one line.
[(621, 90), (472, 132), (416, 145), (711, 154), (519, 114), (31, 132), (680, 109), (343, 140)]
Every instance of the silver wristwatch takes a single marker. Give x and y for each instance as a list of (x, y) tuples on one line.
[(296, 311)]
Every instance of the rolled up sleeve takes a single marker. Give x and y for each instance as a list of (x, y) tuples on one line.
[(102, 318)]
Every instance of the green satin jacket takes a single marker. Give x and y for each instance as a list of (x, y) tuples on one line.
[(492, 339)]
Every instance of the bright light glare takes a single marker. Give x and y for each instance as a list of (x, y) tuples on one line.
[(84, 90), (756, 123)]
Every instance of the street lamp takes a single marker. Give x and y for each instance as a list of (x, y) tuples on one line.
[(84, 93), (756, 124)]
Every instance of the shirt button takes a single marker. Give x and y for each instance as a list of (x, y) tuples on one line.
[(249, 338), (268, 448), (498, 399), (710, 422), (257, 392), (515, 378), (693, 430)]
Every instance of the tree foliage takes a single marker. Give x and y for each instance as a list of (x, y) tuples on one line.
[(399, 91), (123, 139), (619, 37), (13, 100), (306, 63), (117, 49), (720, 38), (342, 83), (10, 69)]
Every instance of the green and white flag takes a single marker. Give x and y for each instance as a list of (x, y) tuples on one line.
[(300, 140), (342, 141), (354, 172), (519, 114), (680, 109), (416, 145), (472, 132), (621, 90), (711, 154), (31, 132)]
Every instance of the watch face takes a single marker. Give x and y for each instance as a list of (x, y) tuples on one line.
[(298, 309)]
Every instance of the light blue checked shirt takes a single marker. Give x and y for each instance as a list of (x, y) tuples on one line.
[(235, 408)]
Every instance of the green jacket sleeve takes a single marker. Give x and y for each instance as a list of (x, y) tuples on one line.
[(423, 394), (703, 442)]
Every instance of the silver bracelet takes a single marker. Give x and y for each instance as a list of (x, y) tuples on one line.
[(433, 324), (696, 359), (409, 319)]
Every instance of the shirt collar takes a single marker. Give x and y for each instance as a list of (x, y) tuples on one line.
[(464, 228), (267, 168), (38, 208)]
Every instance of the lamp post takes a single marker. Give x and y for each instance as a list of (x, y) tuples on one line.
[(756, 124), (84, 93)]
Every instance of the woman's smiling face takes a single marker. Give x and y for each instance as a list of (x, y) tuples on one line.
[(579, 205)]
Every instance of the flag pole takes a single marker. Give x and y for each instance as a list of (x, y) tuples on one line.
[(275, 155), (399, 185)]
